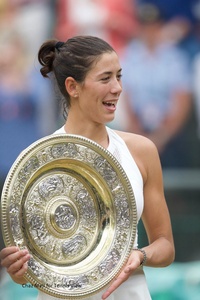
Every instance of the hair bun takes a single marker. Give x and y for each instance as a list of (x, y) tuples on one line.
[(58, 45)]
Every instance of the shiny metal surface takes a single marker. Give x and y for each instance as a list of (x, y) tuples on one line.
[(69, 202)]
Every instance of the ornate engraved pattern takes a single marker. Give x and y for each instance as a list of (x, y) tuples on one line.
[(71, 204)]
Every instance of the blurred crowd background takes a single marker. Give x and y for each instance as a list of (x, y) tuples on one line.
[(158, 43)]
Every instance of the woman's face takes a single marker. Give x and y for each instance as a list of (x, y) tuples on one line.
[(99, 94)]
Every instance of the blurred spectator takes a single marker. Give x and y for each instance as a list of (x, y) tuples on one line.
[(182, 17), (33, 19), (174, 8), (26, 102), (156, 81), (121, 23), (112, 20), (79, 17)]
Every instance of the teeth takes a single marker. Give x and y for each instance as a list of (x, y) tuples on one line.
[(109, 103)]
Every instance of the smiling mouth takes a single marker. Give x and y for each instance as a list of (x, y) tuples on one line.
[(109, 104)]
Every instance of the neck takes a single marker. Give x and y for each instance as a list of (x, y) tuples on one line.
[(95, 132)]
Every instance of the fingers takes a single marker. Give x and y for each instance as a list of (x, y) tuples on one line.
[(116, 283), (15, 260), (131, 267), (7, 251), (19, 272), (19, 266), (132, 264)]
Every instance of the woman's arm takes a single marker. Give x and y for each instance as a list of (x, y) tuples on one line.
[(160, 251)]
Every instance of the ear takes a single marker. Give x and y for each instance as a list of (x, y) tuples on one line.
[(71, 86)]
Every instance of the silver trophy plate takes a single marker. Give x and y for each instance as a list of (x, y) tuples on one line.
[(69, 202)]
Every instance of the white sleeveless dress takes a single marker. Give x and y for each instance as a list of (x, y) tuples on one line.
[(135, 288)]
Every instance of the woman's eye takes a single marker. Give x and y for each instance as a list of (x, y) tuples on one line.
[(105, 78), (119, 76)]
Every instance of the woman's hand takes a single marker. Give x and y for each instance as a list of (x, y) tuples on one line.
[(133, 263), (15, 262)]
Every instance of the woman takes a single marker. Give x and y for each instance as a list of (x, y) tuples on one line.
[(88, 74)]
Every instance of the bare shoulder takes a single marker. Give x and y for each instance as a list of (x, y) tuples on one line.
[(137, 143), (143, 151)]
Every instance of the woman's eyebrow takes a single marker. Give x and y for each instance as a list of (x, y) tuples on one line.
[(110, 72)]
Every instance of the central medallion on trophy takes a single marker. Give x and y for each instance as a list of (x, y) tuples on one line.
[(63, 216)]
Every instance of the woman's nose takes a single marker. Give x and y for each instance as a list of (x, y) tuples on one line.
[(116, 87)]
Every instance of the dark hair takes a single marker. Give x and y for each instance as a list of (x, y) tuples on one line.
[(73, 58)]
